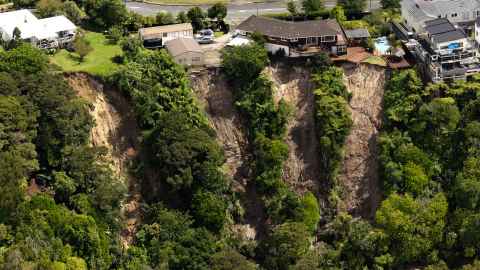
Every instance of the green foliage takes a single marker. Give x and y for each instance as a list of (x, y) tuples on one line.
[(312, 7), (338, 13), (244, 64), (164, 18), (286, 244), (415, 227), (390, 3), (310, 211), (82, 47), (209, 210), (332, 119), (106, 13), (197, 17), (354, 7), (217, 11), (229, 259), (72, 12), (49, 8)]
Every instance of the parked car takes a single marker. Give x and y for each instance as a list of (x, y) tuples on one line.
[(206, 32), (205, 39)]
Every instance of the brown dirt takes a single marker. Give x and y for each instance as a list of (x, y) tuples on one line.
[(359, 175), (216, 97), (302, 168), (116, 130)]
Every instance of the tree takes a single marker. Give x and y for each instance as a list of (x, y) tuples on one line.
[(49, 8), (131, 47), (197, 17), (390, 4), (312, 7), (164, 18), (338, 13), (72, 12), (230, 259), (310, 211), (218, 11), (106, 13), (354, 7), (292, 8), (182, 17), (82, 47), (244, 64), (209, 210), (286, 244), (415, 227)]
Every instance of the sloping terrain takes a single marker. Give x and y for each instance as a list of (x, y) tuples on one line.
[(302, 168), (359, 175), (217, 99), (116, 130)]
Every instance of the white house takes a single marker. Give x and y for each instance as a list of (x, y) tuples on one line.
[(461, 12), (43, 33), (158, 36)]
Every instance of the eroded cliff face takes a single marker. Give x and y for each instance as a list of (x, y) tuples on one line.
[(116, 130), (359, 177)]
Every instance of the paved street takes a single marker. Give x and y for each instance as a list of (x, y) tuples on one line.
[(236, 12)]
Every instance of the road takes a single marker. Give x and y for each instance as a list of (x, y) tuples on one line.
[(236, 12)]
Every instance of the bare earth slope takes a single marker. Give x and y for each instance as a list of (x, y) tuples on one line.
[(217, 99), (116, 130), (359, 175), (302, 168)]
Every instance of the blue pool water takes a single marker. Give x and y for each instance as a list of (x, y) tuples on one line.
[(382, 45)]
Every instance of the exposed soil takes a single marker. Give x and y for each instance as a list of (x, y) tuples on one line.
[(302, 168), (216, 97), (116, 130), (359, 176)]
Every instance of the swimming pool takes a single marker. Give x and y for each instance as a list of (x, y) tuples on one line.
[(382, 45)]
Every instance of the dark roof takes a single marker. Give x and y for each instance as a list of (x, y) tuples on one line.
[(449, 36), (357, 33), (437, 21), (442, 30), (442, 26), (284, 29)]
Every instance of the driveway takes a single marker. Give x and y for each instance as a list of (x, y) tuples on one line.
[(236, 12)]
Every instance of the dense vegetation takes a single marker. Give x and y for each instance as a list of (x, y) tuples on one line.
[(72, 219)]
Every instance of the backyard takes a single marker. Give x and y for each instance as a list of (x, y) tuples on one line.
[(98, 62)]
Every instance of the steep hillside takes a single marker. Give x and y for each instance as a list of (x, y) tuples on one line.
[(216, 97), (293, 85), (359, 176), (116, 130)]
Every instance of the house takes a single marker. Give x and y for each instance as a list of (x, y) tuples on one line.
[(460, 12), (48, 33), (445, 52), (357, 36), (297, 38), (158, 36), (185, 51)]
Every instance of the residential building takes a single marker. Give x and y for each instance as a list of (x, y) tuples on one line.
[(460, 12), (357, 36), (48, 33), (445, 52), (158, 36), (185, 51), (297, 38)]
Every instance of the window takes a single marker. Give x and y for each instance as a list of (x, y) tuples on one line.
[(165, 34), (454, 15), (196, 59)]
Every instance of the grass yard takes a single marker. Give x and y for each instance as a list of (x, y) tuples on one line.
[(375, 60), (188, 2), (98, 62)]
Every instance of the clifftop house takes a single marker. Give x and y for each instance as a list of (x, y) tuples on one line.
[(297, 38), (45, 33), (158, 36)]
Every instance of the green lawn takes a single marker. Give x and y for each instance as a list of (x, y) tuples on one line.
[(97, 62), (375, 60)]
